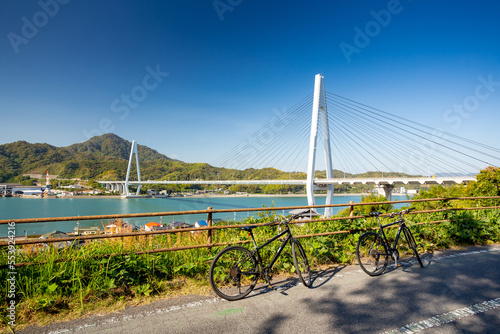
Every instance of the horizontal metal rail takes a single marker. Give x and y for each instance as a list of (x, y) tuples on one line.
[(173, 249), (192, 212), (211, 228)]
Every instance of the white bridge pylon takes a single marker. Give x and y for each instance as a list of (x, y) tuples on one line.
[(133, 151), (319, 106)]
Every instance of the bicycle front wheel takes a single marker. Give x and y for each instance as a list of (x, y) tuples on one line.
[(413, 245), (301, 263), (234, 273), (371, 254)]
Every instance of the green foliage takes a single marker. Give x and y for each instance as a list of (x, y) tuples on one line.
[(438, 191), (361, 210), (24, 180), (487, 184), (94, 184)]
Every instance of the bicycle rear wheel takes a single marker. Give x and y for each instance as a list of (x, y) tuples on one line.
[(234, 273), (371, 254), (301, 263), (413, 245)]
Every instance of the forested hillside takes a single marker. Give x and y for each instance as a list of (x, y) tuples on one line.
[(99, 156), (105, 158)]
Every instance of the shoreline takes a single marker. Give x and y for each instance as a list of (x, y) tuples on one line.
[(209, 196)]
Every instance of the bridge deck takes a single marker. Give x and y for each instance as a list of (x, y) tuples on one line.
[(373, 181)]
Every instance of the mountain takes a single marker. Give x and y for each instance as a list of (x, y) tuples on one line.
[(107, 155), (106, 158), (111, 146)]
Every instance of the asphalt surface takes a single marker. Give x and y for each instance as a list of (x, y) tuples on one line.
[(456, 292)]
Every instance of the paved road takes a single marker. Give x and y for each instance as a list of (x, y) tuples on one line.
[(457, 292)]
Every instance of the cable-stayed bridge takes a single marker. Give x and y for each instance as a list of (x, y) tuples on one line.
[(320, 183), (354, 138)]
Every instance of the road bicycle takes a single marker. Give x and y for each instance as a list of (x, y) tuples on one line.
[(373, 249), (235, 270)]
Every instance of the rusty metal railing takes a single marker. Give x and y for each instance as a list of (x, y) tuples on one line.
[(210, 228)]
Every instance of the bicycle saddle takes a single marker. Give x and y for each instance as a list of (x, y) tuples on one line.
[(374, 214), (248, 228)]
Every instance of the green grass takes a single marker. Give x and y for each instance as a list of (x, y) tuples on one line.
[(74, 282)]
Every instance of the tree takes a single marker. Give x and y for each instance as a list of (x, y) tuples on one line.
[(92, 183), (438, 191), (361, 210), (487, 184)]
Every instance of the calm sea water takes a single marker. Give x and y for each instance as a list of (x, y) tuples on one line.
[(11, 208)]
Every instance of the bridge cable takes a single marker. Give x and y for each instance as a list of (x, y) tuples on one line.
[(423, 125), (432, 135)]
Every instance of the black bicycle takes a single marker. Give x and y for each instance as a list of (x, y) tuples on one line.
[(373, 249), (235, 270)]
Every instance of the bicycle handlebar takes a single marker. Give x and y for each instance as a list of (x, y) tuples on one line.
[(402, 212), (285, 221)]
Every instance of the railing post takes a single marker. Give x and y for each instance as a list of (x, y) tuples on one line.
[(209, 224), (351, 209)]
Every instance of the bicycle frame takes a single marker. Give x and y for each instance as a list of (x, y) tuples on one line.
[(278, 253), (401, 223)]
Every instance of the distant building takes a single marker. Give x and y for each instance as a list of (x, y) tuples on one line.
[(175, 225), (71, 186), (33, 192), (199, 223), (151, 226)]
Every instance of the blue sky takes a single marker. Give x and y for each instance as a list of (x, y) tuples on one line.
[(202, 76)]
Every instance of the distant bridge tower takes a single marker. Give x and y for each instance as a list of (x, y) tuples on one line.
[(319, 105), (132, 151)]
